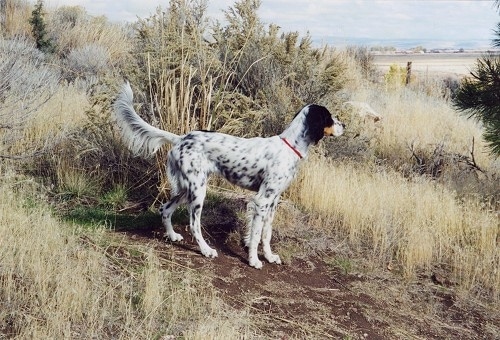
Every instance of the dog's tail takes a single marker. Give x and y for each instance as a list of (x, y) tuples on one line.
[(140, 137)]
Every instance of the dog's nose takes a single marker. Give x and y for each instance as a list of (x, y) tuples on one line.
[(343, 125)]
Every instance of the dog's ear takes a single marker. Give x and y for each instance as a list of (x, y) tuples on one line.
[(317, 119)]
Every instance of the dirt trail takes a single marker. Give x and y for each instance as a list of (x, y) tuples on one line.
[(312, 298)]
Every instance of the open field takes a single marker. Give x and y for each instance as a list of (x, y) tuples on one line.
[(459, 64)]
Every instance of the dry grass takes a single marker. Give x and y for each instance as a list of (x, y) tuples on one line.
[(16, 19), (413, 117), (61, 282), (417, 224), (27, 82), (51, 122), (393, 215), (422, 134), (72, 28)]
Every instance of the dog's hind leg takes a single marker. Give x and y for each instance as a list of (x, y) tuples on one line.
[(195, 201), (251, 207), (166, 212)]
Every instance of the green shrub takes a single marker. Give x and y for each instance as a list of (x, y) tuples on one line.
[(38, 28), (395, 77)]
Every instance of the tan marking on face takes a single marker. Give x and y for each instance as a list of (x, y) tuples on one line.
[(329, 131)]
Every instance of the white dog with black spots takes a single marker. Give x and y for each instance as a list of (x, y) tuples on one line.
[(264, 165)]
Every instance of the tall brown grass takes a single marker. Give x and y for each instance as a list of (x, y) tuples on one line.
[(15, 18), (63, 112), (420, 133), (416, 224), (59, 281)]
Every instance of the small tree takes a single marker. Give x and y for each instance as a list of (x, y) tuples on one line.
[(479, 95), (38, 29)]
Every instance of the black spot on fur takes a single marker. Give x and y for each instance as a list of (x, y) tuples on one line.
[(269, 192)]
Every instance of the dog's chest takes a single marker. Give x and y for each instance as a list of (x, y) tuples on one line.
[(240, 166)]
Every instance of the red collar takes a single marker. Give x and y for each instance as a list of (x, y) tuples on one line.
[(297, 152)]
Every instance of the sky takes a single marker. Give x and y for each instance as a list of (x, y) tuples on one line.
[(385, 20)]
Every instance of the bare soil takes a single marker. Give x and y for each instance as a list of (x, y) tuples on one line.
[(313, 296)]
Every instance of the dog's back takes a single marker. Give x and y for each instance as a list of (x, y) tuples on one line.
[(244, 162)]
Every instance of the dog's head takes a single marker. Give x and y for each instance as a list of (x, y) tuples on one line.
[(320, 123)]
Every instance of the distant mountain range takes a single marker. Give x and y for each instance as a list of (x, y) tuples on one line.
[(405, 44)]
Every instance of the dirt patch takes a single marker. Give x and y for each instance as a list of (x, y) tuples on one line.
[(303, 298), (312, 297)]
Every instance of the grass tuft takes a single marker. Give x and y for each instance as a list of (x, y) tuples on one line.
[(59, 281)]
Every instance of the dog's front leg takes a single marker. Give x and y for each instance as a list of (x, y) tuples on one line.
[(267, 233), (253, 244), (261, 207)]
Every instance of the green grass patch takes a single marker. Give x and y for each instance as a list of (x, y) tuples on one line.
[(343, 264), (92, 216)]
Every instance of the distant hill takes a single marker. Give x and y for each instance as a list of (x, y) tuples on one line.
[(405, 44)]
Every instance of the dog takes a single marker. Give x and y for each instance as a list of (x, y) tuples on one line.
[(264, 165)]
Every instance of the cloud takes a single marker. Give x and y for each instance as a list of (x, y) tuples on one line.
[(344, 18), (389, 19)]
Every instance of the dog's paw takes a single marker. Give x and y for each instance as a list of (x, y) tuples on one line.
[(256, 263), (174, 237), (209, 252), (273, 258)]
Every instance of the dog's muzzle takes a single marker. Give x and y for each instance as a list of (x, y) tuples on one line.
[(337, 129)]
